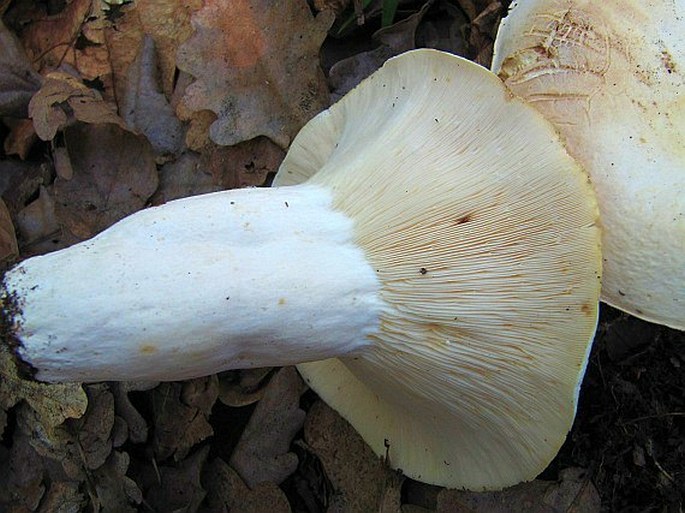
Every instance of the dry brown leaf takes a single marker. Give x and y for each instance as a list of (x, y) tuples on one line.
[(56, 443), (201, 393), (179, 488), (226, 492), (21, 138), (114, 175), (218, 168), (137, 428), (145, 108), (113, 491), (362, 482), (244, 165), (62, 100), (395, 39), (9, 249), (62, 497), (242, 387), (72, 37), (177, 426), (573, 493), (53, 403), (167, 22), (262, 454), (93, 431), (21, 482), (18, 80), (39, 231), (257, 67), (483, 32)]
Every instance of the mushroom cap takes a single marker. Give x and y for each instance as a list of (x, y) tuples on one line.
[(482, 231), (610, 76)]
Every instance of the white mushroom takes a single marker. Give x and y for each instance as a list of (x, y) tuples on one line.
[(610, 75), (441, 257)]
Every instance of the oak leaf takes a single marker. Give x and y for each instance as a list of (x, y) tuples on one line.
[(257, 67)]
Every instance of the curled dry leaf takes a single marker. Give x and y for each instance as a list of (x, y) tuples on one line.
[(9, 249), (56, 443), (257, 67), (21, 482), (361, 481), (62, 497), (64, 99), (178, 427), (226, 492), (145, 108), (242, 387), (112, 490), (93, 431), (179, 488), (114, 174), (18, 80), (262, 454), (217, 168), (74, 37), (39, 231), (136, 425), (166, 22), (52, 403)]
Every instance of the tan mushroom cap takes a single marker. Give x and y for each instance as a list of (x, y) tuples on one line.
[(483, 233), (610, 75)]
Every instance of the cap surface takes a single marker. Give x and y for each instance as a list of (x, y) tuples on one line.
[(482, 231), (611, 76)]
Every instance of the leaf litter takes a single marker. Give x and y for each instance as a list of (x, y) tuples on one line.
[(118, 105)]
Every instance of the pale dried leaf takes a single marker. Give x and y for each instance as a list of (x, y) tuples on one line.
[(256, 67), (37, 225), (573, 493), (93, 431), (53, 403), (63, 497), (21, 138), (201, 393), (183, 177), (62, 100), (362, 481), (242, 387), (145, 108), (179, 487), (114, 491), (167, 22), (262, 454), (56, 443), (227, 493), (22, 479), (136, 424), (243, 165), (9, 249), (178, 427), (114, 175), (18, 80), (72, 38)]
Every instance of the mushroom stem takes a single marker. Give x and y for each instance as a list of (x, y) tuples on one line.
[(236, 279)]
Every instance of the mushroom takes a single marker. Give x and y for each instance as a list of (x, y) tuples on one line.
[(435, 271), (610, 75)]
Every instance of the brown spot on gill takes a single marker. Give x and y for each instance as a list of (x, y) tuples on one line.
[(148, 349), (586, 309), (465, 219)]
